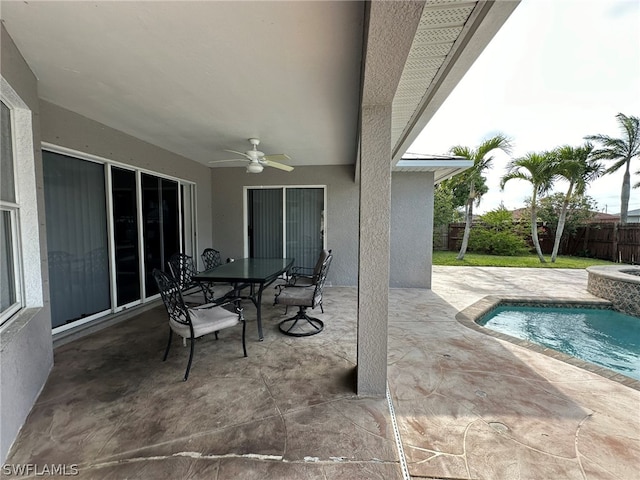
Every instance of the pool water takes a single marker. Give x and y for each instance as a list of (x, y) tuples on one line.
[(603, 337)]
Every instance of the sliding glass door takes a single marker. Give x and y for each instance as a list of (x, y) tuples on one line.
[(108, 227), (286, 222), (160, 225)]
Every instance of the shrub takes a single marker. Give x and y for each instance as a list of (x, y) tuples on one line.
[(498, 234), (492, 242)]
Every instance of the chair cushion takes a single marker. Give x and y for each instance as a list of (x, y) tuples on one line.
[(298, 296), (206, 320), (303, 281)]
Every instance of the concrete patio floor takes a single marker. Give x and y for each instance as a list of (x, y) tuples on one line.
[(466, 405)]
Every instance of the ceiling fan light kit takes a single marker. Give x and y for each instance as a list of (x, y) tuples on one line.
[(257, 159), (254, 167)]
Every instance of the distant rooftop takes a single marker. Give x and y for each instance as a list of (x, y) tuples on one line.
[(598, 217)]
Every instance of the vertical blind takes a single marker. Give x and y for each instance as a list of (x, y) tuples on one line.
[(265, 223), (7, 179), (7, 277), (75, 203), (304, 212)]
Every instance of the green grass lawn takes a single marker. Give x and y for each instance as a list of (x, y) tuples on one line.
[(479, 260)]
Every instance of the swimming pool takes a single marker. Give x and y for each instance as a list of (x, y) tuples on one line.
[(600, 336)]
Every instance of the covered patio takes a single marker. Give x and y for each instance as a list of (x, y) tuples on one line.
[(116, 116), (461, 404)]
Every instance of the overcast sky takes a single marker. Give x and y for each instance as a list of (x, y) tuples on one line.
[(558, 70)]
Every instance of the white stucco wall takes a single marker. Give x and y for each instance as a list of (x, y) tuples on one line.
[(411, 218), (411, 229), (67, 129), (341, 211), (26, 354)]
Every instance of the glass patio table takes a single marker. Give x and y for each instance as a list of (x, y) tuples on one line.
[(257, 272)]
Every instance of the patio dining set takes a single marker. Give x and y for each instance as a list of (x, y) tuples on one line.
[(196, 308)]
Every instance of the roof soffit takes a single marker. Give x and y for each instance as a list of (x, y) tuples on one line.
[(440, 27), (450, 37)]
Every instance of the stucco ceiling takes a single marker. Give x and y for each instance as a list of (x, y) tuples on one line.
[(199, 77)]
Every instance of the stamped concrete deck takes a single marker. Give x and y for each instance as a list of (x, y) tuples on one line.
[(467, 405)]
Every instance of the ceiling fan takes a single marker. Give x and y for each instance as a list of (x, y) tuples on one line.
[(257, 159)]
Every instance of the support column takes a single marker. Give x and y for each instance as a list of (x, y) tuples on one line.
[(390, 28), (373, 277)]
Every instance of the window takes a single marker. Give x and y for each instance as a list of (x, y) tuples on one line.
[(10, 278)]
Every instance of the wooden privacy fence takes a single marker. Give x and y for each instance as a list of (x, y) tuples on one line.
[(440, 237), (454, 237), (606, 241), (455, 232)]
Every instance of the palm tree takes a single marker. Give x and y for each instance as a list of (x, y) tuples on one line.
[(621, 151), (577, 167), (537, 169), (474, 181)]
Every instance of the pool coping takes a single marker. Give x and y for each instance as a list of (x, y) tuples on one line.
[(470, 315), (619, 273)]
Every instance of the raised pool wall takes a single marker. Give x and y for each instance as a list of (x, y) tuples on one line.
[(620, 284)]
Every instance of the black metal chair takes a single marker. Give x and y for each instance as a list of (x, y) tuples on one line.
[(194, 322), (183, 269), (306, 276), (303, 297), (211, 258)]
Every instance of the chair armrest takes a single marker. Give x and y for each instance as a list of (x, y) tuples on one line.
[(302, 271)]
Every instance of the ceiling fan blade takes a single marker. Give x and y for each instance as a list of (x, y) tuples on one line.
[(278, 157), (239, 153), (228, 160), (279, 166)]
